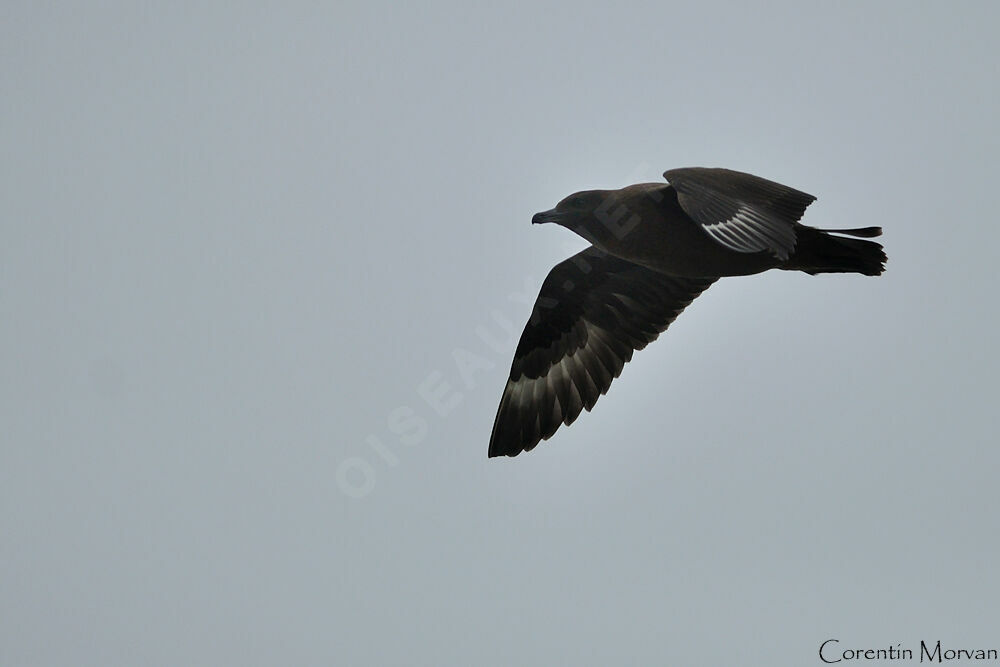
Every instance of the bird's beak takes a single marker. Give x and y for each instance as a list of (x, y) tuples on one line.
[(546, 216)]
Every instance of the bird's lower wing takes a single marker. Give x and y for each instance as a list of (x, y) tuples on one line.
[(592, 312)]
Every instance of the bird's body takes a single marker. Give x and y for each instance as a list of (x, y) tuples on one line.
[(673, 244), (655, 248)]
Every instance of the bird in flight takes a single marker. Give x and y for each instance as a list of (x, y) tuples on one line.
[(654, 248)]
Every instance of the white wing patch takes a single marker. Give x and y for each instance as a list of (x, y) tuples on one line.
[(751, 231), (526, 393)]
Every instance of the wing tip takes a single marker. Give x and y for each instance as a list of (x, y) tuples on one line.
[(499, 448), (508, 449)]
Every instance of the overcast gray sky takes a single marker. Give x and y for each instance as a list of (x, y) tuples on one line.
[(247, 254)]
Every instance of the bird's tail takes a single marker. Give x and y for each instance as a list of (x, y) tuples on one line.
[(822, 251)]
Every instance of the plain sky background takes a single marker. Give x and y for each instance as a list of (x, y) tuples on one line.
[(236, 242)]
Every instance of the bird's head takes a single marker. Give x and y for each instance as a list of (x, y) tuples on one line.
[(578, 212)]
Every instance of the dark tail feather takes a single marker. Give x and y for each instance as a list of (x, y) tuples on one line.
[(817, 251), (863, 232)]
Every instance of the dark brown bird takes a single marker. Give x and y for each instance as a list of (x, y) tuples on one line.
[(656, 247)]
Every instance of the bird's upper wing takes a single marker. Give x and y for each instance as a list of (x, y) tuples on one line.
[(745, 213), (592, 312)]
